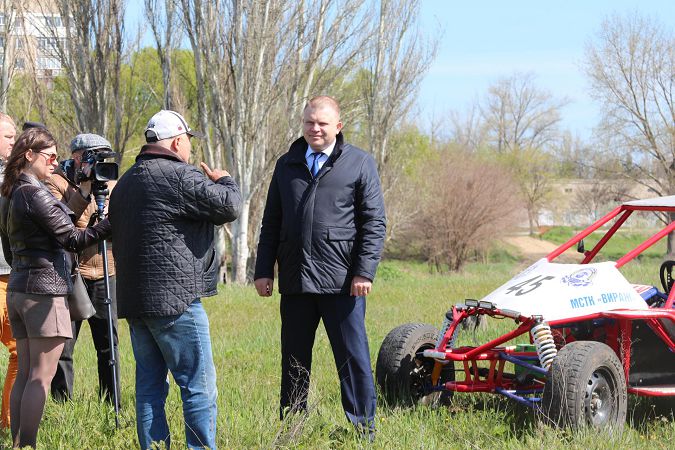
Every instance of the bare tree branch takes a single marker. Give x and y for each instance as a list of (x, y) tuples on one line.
[(519, 115), (630, 64), (257, 61)]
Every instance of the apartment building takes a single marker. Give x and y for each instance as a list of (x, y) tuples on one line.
[(31, 36)]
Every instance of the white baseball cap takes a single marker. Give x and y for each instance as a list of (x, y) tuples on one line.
[(167, 124)]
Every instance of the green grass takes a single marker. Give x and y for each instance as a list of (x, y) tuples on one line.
[(245, 334)]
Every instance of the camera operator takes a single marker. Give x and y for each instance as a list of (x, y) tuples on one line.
[(72, 185)]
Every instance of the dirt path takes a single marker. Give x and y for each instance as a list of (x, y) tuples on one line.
[(533, 249)]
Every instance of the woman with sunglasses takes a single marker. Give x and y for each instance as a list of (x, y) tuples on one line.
[(40, 233)]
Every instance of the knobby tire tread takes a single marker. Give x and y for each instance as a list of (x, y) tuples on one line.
[(565, 392), (395, 355)]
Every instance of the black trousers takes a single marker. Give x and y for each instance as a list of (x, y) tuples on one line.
[(62, 384), (344, 319)]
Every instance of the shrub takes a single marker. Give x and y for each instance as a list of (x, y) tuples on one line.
[(464, 207)]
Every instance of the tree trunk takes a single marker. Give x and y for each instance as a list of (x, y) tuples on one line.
[(9, 52), (4, 81), (221, 251), (240, 244), (530, 218)]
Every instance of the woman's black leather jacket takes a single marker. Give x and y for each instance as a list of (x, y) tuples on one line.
[(39, 231)]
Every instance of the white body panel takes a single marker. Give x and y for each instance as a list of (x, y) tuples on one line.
[(562, 291)]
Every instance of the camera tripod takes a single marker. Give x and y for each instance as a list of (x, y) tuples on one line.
[(100, 192)]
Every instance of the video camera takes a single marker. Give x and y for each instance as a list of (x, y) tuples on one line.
[(101, 171)]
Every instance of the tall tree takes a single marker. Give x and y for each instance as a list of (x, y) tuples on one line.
[(468, 129), (533, 170), (8, 45), (87, 37), (521, 125), (165, 25), (196, 14), (630, 64), (410, 155), (397, 58), (257, 62), (518, 114)]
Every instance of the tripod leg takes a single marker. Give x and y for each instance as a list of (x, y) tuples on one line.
[(99, 332), (111, 336)]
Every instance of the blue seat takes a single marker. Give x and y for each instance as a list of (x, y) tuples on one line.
[(650, 294)]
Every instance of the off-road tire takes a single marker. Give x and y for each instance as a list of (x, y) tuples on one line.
[(401, 374), (586, 387)]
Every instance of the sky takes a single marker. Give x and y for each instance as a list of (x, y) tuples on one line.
[(482, 41)]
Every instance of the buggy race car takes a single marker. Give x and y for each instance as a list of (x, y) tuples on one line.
[(593, 337)]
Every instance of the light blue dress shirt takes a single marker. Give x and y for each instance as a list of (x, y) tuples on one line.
[(322, 159)]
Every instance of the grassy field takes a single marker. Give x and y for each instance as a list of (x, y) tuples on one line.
[(245, 333)]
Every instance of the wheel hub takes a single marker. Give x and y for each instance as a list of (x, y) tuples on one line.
[(418, 377), (598, 398), (596, 403)]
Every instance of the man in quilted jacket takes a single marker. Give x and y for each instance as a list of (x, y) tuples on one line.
[(163, 213)]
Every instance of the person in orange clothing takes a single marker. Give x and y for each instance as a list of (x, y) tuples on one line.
[(7, 135)]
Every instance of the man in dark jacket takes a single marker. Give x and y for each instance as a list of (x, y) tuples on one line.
[(324, 225), (163, 212)]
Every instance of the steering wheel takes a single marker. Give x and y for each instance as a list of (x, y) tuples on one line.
[(666, 274)]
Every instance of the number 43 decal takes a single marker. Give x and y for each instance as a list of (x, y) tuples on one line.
[(527, 286)]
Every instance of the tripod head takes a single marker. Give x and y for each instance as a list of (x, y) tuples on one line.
[(100, 191)]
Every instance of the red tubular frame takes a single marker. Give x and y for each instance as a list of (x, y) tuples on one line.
[(469, 356), (601, 243), (567, 245), (645, 245), (522, 329), (627, 210), (661, 332), (652, 391), (619, 336), (624, 354), (671, 298)]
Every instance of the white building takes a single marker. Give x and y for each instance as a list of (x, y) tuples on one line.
[(31, 36)]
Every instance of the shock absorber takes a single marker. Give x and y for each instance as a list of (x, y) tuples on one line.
[(444, 327), (543, 340)]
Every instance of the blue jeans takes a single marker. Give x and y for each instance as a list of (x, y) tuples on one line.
[(182, 345)]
